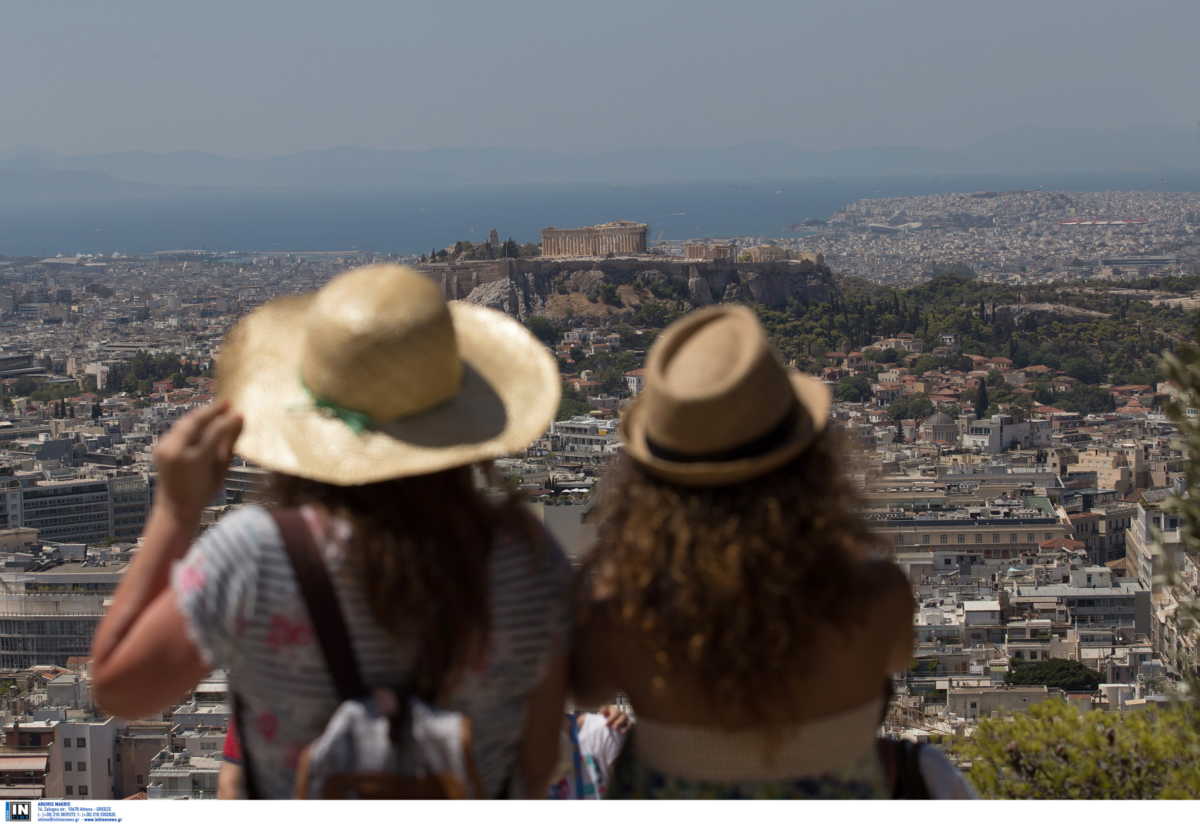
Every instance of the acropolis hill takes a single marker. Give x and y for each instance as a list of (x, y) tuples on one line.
[(548, 286), (587, 276)]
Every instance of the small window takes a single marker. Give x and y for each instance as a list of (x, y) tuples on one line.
[(945, 539), (80, 742), (81, 766), (978, 538), (70, 790), (974, 705), (83, 789), (962, 539), (66, 766), (66, 742)]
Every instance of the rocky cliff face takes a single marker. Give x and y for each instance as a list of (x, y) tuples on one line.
[(553, 287)]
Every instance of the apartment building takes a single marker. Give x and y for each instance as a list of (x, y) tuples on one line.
[(976, 535), (1150, 530), (49, 613), (586, 438), (81, 759), (136, 746), (1002, 432), (85, 510), (1093, 598), (180, 775)]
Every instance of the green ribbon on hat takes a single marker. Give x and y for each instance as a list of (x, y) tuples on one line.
[(359, 422)]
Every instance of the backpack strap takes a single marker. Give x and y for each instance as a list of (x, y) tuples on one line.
[(902, 767), (912, 780), (237, 725), (324, 610)]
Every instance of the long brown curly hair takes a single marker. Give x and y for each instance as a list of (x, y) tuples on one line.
[(421, 547), (730, 582)]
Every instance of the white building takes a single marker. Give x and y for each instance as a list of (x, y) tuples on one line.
[(1002, 432), (181, 775), (81, 759)]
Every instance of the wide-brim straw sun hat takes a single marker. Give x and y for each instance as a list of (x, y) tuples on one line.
[(719, 406), (376, 376)]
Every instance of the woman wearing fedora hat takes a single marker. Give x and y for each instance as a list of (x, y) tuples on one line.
[(732, 594), (371, 401)]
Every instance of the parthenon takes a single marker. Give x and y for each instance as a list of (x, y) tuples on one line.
[(620, 237)]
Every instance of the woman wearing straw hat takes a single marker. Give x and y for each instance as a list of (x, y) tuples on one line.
[(370, 401), (731, 594)]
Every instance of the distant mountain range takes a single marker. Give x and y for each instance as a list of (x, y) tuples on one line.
[(31, 175)]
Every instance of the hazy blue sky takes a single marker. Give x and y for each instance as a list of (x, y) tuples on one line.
[(272, 76)]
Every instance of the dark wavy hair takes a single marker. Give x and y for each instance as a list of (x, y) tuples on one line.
[(421, 547), (730, 582)]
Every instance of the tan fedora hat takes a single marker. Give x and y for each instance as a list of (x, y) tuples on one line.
[(375, 376), (719, 407)]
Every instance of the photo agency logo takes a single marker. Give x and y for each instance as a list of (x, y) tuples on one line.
[(18, 810)]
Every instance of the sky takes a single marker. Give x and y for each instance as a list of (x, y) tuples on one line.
[(265, 77)]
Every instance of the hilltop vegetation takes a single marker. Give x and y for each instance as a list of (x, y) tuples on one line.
[(1054, 751), (1120, 344)]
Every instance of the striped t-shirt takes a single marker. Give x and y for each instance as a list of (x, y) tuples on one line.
[(238, 594)]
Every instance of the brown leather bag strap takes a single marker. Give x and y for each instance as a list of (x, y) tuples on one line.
[(324, 610)]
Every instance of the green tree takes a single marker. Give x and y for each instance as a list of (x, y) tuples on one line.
[(1086, 400), (1054, 672), (653, 315), (544, 329), (915, 407), (925, 363), (571, 404), (608, 294), (981, 400), (1054, 751), (852, 390), (1084, 369)]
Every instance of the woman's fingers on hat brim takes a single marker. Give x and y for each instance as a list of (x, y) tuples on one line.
[(217, 438), (191, 427)]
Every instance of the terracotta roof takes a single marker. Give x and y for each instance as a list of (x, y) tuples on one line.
[(18, 762), (1062, 543)]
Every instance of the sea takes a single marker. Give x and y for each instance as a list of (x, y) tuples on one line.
[(412, 221)]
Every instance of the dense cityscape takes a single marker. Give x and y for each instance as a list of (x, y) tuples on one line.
[(1021, 490)]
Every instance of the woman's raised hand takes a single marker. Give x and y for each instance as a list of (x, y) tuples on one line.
[(192, 458)]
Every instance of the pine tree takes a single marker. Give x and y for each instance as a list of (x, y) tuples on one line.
[(981, 400)]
